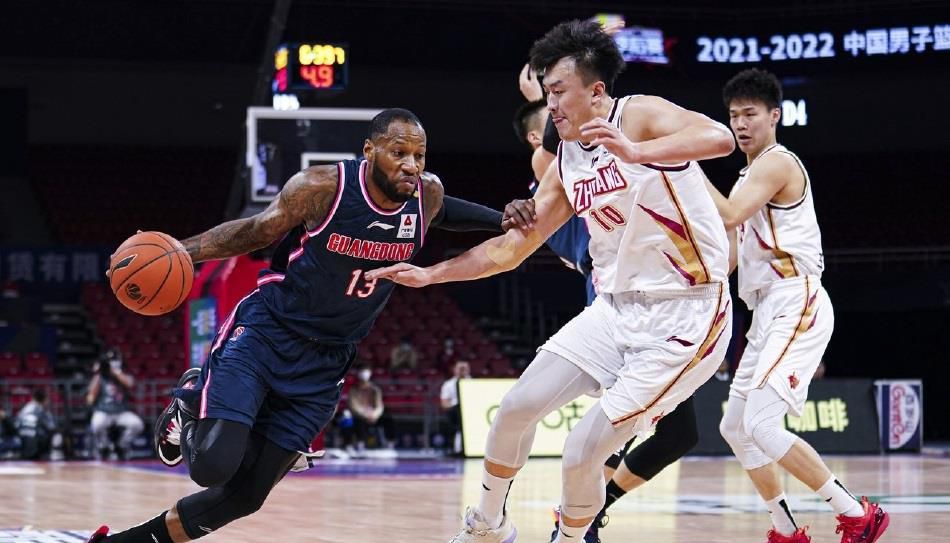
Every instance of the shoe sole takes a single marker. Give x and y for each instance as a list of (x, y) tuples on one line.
[(881, 521)]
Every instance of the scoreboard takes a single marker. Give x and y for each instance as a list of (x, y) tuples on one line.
[(310, 66)]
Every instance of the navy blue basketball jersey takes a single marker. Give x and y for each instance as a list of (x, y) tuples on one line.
[(316, 285)]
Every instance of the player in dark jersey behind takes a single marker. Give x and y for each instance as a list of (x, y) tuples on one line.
[(273, 377)]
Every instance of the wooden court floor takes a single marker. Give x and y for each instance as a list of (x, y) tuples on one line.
[(697, 500)]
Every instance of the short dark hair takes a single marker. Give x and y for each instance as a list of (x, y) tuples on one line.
[(753, 84), (380, 123), (39, 395), (524, 116), (594, 52)]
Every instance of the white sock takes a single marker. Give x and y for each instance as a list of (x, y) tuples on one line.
[(492, 502), (838, 497), (569, 534), (781, 514)]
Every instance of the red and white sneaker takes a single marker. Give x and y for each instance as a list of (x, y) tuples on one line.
[(98, 535), (798, 537), (169, 425), (864, 529)]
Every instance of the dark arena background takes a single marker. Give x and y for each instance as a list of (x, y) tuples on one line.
[(117, 116)]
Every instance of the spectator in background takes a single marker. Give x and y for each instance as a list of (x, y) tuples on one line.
[(820, 370), (449, 355), (109, 395), (36, 426), (9, 440), (366, 405), (403, 355), (449, 397)]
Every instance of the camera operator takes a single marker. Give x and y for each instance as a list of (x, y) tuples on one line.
[(109, 395)]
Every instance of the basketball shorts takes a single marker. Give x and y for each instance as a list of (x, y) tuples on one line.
[(791, 326), (262, 374), (650, 351)]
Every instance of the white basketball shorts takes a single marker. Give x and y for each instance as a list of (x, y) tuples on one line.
[(791, 326), (650, 351)]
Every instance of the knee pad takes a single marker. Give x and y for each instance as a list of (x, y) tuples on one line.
[(733, 430), (764, 425), (265, 464), (211, 462), (516, 410), (730, 428), (214, 508), (207, 472)]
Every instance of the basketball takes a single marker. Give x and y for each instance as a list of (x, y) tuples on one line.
[(151, 273)]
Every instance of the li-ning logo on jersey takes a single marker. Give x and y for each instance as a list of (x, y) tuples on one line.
[(382, 225), (608, 179), (369, 250)]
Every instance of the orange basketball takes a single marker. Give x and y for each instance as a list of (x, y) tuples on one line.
[(151, 273)]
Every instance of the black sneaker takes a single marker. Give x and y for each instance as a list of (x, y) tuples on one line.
[(170, 422), (98, 535), (593, 533)]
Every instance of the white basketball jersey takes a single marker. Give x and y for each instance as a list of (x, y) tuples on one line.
[(778, 241), (652, 227)]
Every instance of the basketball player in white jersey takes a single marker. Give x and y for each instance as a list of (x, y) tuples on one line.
[(661, 322), (770, 217)]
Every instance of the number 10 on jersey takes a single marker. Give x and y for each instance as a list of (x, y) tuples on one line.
[(360, 289)]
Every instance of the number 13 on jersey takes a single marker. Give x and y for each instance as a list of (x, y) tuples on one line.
[(358, 289)]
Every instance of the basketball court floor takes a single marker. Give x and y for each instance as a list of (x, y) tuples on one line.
[(696, 500)]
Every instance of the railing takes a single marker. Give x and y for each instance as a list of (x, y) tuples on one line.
[(67, 401)]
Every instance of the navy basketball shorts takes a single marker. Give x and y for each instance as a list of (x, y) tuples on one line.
[(259, 373)]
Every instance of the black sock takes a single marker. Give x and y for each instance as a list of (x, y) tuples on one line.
[(153, 530), (614, 492)]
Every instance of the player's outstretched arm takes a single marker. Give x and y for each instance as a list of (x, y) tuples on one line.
[(497, 255), (306, 198), (655, 130), (458, 215)]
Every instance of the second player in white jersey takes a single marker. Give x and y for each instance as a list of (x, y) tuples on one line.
[(770, 215), (778, 241), (653, 227)]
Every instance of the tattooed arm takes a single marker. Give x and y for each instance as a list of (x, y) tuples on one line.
[(305, 198)]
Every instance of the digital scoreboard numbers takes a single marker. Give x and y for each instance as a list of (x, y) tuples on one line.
[(310, 66), (883, 41)]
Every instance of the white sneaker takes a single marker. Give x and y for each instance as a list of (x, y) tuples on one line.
[(476, 530)]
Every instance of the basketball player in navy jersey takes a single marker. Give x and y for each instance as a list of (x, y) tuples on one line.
[(676, 432), (275, 370)]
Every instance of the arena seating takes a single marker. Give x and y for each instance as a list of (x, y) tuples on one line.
[(95, 195)]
